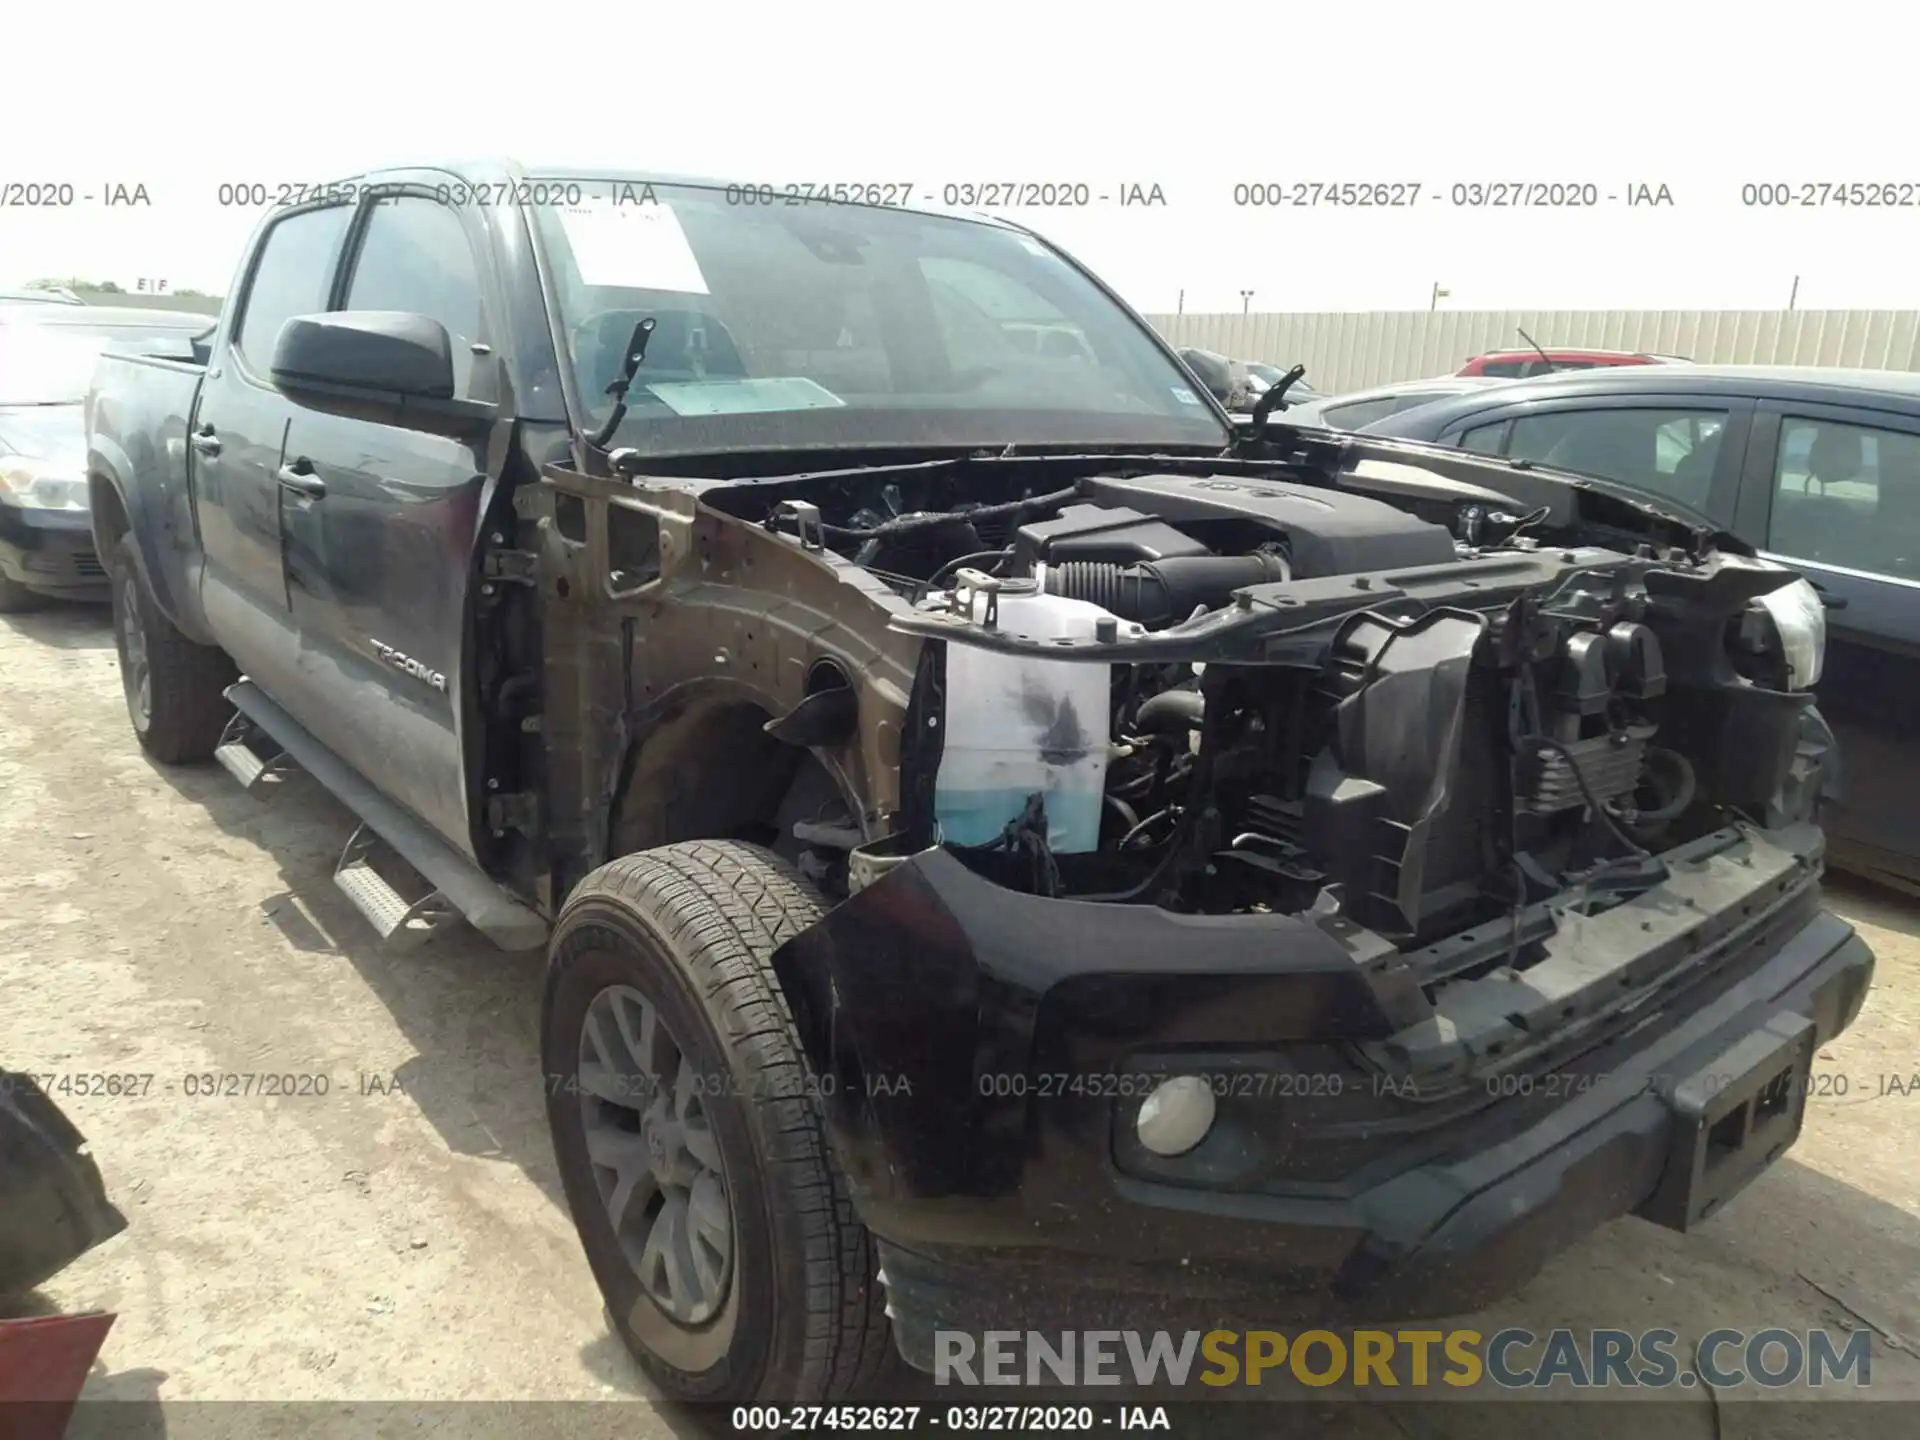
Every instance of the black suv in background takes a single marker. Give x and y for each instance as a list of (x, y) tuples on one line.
[(1817, 468)]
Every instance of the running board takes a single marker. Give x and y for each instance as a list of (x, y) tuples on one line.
[(403, 924), (456, 880), (252, 756)]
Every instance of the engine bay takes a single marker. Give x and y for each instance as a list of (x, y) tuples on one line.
[(1239, 692)]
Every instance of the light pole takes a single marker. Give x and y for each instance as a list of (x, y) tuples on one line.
[(1440, 293), (1794, 294), (1246, 299)]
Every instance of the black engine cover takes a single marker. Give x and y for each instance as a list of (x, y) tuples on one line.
[(1328, 532), (1101, 534)]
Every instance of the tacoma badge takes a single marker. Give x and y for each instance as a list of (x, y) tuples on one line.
[(407, 665)]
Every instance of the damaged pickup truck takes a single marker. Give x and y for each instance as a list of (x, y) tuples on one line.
[(1014, 850)]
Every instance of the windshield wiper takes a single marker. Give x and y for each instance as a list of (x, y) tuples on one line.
[(629, 367), (1275, 397)]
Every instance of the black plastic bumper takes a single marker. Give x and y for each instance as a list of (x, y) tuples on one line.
[(51, 551), (53, 1206), (975, 1047)]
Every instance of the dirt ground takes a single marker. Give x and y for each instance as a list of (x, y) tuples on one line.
[(403, 1238)]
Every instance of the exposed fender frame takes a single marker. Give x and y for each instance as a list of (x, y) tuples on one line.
[(677, 718)]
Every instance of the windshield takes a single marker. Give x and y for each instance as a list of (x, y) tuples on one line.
[(51, 365), (795, 326)]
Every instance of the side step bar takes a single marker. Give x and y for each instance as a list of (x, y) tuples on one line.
[(459, 885), (252, 756), (403, 924)]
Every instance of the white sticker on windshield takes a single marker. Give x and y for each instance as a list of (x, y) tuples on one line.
[(1184, 395), (632, 247), (737, 396)]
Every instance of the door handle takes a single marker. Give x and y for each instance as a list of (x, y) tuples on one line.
[(1832, 602), (298, 476), (203, 440)]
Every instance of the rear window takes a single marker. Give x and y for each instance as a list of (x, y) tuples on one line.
[(293, 276), (1486, 439), (1354, 414), (1525, 367)]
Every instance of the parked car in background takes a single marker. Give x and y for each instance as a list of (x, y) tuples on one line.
[(46, 362), (1818, 468), (1526, 362), (23, 297), (1360, 407), (1237, 384), (1226, 380), (1271, 375)]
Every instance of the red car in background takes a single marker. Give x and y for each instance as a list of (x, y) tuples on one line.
[(1522, 363)]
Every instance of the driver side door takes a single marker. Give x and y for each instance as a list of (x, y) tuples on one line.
[(1853, 529), (381, 524)]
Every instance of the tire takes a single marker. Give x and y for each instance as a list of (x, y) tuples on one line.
[(16, 599), (184, 708), (691, 928)]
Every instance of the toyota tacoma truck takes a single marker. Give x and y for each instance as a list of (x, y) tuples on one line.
[(1014, 848)]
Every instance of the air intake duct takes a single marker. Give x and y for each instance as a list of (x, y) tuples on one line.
[(1157, 593)]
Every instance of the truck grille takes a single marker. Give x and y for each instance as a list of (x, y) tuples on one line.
[(87, 564)]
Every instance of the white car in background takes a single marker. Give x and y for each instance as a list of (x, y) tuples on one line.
[(47, 355), (1268, 376), (21, 296)]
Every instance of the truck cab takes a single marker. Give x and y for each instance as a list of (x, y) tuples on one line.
[(327, 553)]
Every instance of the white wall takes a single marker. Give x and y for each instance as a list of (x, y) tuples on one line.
[(1349, 351)]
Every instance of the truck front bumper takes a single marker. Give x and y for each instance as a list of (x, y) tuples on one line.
[(983, 1055), (51, 552)]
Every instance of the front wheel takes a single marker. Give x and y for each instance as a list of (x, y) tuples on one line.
[(689, 1137)]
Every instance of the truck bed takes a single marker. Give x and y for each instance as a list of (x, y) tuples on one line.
[(137, 415)]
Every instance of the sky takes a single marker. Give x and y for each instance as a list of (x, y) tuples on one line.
[(1707, 100)]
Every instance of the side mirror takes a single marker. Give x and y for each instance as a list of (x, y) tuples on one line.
[(387, 366)]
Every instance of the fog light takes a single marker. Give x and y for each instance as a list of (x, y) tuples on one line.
[(1176, 1116)]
